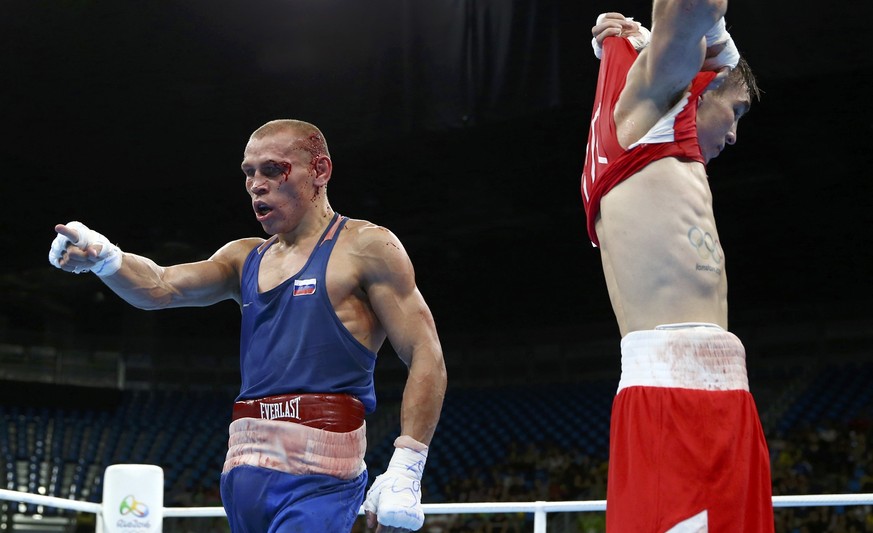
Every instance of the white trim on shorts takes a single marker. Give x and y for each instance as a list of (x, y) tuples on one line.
[(295, 448), (687, 356)]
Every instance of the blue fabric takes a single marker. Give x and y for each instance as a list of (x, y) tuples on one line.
[(291, 340), (259, 500)]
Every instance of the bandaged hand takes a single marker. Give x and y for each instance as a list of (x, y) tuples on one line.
[(617, 25), (721, 51), (394, 500), (78, 249)]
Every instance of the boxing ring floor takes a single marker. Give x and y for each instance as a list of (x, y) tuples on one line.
[(540, 509)]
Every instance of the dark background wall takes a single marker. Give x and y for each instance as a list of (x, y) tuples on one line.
[(459, 125)]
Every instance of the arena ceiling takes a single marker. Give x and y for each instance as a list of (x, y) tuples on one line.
[(459, 125)]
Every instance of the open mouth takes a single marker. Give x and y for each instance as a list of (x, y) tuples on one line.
[(262, 209)]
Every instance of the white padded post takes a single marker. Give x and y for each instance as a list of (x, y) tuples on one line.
[(133, 499)]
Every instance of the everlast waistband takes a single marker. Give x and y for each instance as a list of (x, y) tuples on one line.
[(339, 413)]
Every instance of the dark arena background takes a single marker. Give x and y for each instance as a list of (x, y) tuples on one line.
[(461, 126)]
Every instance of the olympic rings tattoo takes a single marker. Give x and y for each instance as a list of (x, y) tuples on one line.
[(707, 247)]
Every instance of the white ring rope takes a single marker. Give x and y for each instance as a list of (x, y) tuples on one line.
[(54, 501), (822, 500), (815, 500)]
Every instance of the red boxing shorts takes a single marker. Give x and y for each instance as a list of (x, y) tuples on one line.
[(687, 451)]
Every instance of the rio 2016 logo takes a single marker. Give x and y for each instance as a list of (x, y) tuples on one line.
[(130, 505)]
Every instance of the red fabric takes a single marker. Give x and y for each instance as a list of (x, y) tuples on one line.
[(606, 163), (677, 452)]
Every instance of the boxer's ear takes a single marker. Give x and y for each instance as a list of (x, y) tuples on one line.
[(323, 167)]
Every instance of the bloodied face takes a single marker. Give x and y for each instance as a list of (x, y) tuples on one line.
[(282, 178)]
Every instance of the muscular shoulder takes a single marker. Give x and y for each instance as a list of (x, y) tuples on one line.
[(235, 252), (376, 250)]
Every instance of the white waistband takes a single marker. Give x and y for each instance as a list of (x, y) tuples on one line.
[(295, 448), (685, 356)]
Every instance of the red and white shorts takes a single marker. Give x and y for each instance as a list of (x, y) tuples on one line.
[(687, 451)]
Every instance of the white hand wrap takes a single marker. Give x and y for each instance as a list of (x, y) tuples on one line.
[(730, 56), (395, 497), (109, 256), (639, 41)]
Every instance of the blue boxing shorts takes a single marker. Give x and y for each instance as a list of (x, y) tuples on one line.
[(261, 500), (295, 463)]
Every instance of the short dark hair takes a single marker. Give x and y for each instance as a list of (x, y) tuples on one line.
[(743, 76)]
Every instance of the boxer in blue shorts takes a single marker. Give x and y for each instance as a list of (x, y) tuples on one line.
[(318, 298)]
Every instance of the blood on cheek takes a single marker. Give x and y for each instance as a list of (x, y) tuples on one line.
[(288, 197)]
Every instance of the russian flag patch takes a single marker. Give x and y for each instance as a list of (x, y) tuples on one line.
[(302, 287)]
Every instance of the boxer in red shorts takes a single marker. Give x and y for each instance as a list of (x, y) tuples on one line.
[(687, 452)]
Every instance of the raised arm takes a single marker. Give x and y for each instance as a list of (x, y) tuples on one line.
[(721, 51), (613, 24), (677, 48), (143, 283), (684, 33)]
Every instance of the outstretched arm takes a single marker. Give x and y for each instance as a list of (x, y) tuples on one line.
[(143, 283)]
